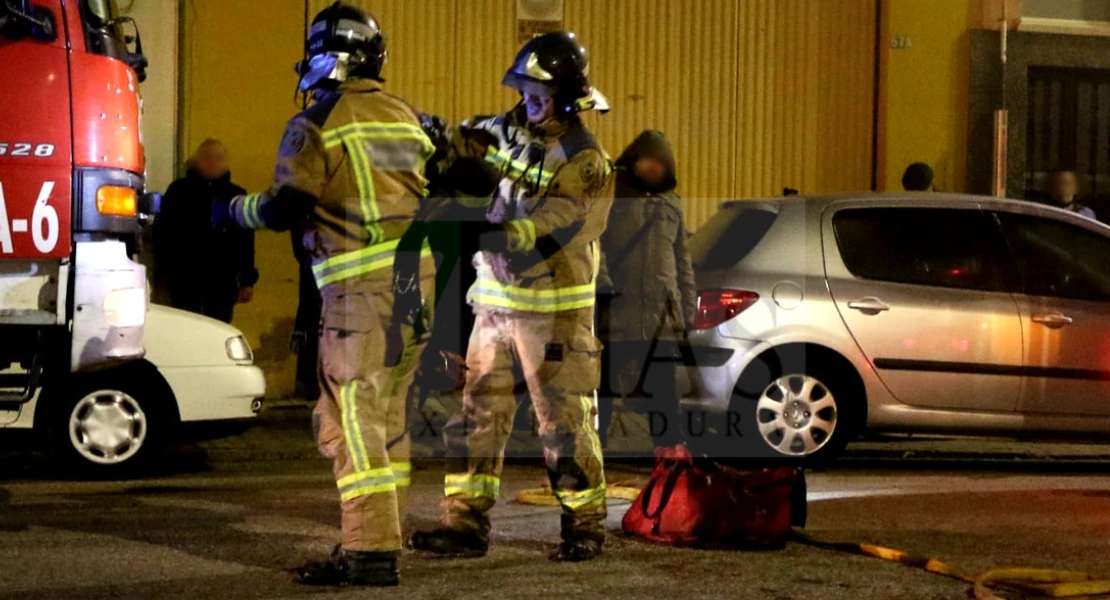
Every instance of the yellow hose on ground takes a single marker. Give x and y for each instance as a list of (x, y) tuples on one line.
[(1045, 583), (543, 496)]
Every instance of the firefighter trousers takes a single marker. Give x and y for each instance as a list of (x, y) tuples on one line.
[(555, 360), (360, 420)]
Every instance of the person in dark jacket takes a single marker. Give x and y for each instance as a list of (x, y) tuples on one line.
[(306, 326), (1063, 189), (646, 269), (205, 270), (918, 178)]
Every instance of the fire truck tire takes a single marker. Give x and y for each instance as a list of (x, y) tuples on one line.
[(111, 424)]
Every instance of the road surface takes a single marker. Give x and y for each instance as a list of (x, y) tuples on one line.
[(226, 518), (229, 529)]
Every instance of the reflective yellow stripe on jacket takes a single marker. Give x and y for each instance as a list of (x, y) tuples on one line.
[(500, 295), (359, 262), (402, 472), (489, 292), (353, 138), (517, 170)]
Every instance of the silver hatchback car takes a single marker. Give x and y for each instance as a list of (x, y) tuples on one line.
[(820, 318)]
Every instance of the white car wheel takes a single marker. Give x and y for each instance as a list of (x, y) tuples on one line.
[(107, 427), (796, 415), (110, 423)]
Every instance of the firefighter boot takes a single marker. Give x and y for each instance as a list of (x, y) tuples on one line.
[(580, 550), (449, 542), (349, 568)]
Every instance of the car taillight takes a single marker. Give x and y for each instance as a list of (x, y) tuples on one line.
[(717, 306)]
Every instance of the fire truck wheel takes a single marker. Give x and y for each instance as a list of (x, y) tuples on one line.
[(111, 423)]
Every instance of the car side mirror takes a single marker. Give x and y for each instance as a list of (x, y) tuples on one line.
[(19, 19), (150, 205)]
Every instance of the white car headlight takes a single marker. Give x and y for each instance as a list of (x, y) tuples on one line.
[(238, 349), (125, 308)]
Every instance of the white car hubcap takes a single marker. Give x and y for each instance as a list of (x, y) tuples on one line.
[(796, 415), (107, 427)]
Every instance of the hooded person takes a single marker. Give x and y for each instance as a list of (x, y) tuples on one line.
[(651, 287)]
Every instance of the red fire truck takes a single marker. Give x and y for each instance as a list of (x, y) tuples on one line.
[(71, 194)]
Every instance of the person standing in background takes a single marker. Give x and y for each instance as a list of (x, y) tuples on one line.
[(654, 296), (1063, 188), (306, 326), (205, 270), (918, 178)]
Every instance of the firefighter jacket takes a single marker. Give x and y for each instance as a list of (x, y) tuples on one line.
[(354, 163), (553, 200)]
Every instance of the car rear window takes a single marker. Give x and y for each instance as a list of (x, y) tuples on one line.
[(732, 233), (950, 248)]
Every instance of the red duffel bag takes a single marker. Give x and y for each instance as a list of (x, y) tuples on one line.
[(701, 503)]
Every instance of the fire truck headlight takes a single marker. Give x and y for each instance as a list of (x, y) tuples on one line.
[(117, 201), (125, 308)]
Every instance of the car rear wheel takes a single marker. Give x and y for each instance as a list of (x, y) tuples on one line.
[(110, 424), (796, 415), (796, 408)]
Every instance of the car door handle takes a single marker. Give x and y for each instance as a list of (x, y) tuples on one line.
[(1053, 320), (869, 306)]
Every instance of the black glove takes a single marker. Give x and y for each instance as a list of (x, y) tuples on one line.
[(435, 127), (436, 130), (221, 214), (473, 177), (408, 308), (493, 238), (478, 140)]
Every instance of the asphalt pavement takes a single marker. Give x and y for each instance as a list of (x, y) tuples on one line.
[(226, 518)]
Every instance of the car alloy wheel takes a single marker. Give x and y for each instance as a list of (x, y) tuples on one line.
[(796, 415), (107, 427)]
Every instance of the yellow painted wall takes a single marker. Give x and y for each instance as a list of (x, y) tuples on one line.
[(756, 95), (238, 86), (926, 90)]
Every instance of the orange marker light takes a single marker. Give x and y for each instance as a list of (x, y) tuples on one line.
[(117, 201)]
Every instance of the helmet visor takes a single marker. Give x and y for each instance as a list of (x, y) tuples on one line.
[(317, 69), (525, 84)]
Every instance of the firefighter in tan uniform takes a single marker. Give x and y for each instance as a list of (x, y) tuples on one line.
[(351, 173), (534, 303)]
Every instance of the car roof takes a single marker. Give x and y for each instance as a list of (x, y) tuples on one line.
[(912, 198)]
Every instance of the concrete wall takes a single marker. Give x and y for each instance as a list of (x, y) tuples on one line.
[(157, 21)]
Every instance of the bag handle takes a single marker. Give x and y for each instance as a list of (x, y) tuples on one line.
[(668, 491)]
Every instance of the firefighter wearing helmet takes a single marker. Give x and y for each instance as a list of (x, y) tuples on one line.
[(350, 173), (533, 300)]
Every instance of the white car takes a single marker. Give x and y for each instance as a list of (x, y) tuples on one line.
[(196, 371)]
